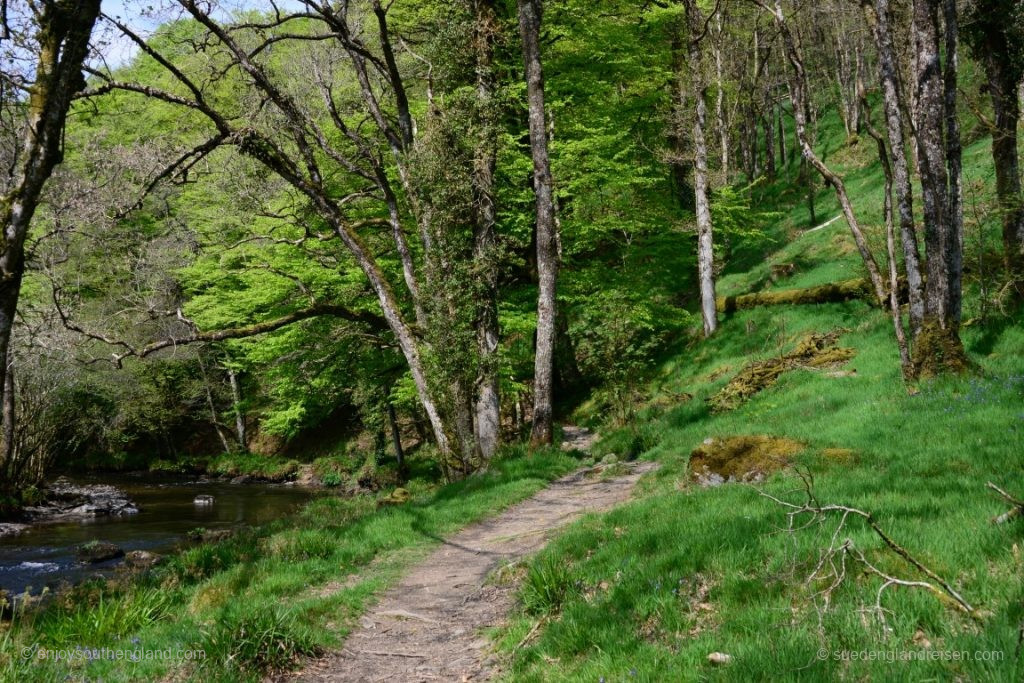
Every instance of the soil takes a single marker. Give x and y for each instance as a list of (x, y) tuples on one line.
[(430, 627)]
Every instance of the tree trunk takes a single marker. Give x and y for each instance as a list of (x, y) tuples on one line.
[(937, 347), (396, 438), (1006, 107), (890, 245), (800, 106), (547, 236), (236, 407), (720, 115), (487, 408), (782, 137), (63, 44), (769, 142), (9, 415), (705, 250), (879, 18)]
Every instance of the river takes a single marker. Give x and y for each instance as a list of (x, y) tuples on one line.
[(44, 554)]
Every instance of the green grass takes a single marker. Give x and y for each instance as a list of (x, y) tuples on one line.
[(659, 584), (260, 600), (648, 591)]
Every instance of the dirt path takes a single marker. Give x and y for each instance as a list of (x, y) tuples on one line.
[(428, 627)]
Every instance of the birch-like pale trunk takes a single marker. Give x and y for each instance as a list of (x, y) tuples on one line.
[(530, 12), (705, 239), (879, 18)]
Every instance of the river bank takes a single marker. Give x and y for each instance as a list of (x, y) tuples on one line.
[(135, 512)]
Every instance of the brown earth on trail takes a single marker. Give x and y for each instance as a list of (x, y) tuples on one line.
[(740, 458), (815, 351), (430, 626)]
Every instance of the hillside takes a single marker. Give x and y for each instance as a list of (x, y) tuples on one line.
[(650, 590), (517, 341)]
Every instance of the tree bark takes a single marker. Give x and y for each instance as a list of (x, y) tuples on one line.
[(720, 114), (782, 136), (487, 418), (890, 244), (547, 235), (236, 406), (396, 438), (63, 44), (879, 18), (705, 240), (769, 142), (937, 347)]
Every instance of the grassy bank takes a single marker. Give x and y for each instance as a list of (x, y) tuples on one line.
[(649, 591), (258, 601)]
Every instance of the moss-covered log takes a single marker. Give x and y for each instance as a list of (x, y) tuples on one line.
[(845, 290)]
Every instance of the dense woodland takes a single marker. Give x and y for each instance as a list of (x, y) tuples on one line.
[(444, 218), (382, 239)]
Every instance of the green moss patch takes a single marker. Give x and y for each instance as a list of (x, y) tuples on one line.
[(740, 458), (816, 351)]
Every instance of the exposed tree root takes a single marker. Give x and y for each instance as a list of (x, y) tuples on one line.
[(814, 351)]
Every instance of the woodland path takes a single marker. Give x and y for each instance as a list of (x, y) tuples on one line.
[(429, 627)]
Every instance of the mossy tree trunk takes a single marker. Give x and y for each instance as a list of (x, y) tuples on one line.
[(61, 44), (937, 346)]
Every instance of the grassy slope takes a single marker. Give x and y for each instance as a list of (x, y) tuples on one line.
[(648, 591), (256, 602)]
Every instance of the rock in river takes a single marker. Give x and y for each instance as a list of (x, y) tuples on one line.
[(11, 529), (67, 500), (141, 559), (98, 551)]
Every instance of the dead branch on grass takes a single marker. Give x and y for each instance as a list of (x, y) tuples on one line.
[(832, 564)]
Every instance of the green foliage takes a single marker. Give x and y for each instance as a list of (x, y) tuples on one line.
[(269, 638), (547, 586)]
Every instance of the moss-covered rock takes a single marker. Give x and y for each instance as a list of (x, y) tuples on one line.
[(740, 458), (95, 552), (396, 497)]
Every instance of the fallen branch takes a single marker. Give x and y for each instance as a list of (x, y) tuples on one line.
[(831, 565), (815, 351), (529, 634), (1016, 511)]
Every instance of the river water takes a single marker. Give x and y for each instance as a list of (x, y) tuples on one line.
[(44, 554)]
